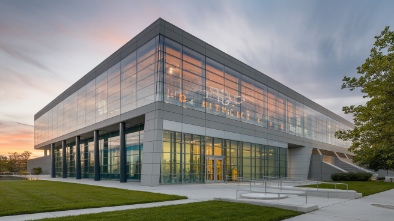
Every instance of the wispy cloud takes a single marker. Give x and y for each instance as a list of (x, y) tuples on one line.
[(45, 46), (23, 124), (24, 56), (16, 137)]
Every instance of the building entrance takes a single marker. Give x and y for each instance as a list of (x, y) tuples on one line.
[(214, 169)]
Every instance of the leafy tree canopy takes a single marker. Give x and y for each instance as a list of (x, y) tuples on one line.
[(373, 134), (16, 162)]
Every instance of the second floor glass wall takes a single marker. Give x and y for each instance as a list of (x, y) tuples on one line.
[(194, 81), (164, 70), (127, 85)]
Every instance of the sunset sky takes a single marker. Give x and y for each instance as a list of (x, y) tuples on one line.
[(47, 45)]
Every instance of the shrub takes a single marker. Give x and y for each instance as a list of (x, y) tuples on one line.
[(36, 171), (351, 176)]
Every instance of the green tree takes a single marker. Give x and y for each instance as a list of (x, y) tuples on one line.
[(3, 164), (373, 134), (17, 162), (36, 171)]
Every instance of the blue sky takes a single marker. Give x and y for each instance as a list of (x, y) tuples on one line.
[(45, 46)]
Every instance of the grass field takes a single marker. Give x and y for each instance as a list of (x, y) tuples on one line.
[(364, 187), (209, 210), (33, 196)]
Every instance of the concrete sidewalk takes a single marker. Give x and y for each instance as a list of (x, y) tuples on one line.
[(90, 210), (329, 208), (377, 207)]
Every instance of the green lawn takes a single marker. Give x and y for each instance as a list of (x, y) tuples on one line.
[(210, 210), (33, 196), (364, 187)]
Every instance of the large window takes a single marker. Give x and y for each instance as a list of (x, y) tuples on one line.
[(58, 162), (184, 158), (194, 81), (109, 155), (109, 150), (165, 70), (134, 149), (127, 85)]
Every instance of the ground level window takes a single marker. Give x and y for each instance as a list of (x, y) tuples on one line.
[(190, 158)]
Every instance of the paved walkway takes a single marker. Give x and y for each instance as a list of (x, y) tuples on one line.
[(377, 207), (329, 209), (89, 211)]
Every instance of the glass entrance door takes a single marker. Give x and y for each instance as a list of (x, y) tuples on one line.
[(214, 169)]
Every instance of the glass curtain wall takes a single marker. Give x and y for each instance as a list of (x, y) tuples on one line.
[(185, 159), (109, 153), (58, 161), (182, 158), (109, 150), (164, 70), (134, 149), (194, 81), (129, 84), (87, 158), (70, 151)]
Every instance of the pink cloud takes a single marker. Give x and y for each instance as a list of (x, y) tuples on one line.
[(15, 137)]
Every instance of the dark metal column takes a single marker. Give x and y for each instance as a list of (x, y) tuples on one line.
[(96, 156), (122, 156), (78, 158), (64, 159), (53, 169)]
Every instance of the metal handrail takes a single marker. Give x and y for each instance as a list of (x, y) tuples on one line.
[(335, 184)]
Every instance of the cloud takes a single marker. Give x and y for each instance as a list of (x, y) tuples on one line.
[(23, 124), (21, 55), (307, 45), (17, 137)]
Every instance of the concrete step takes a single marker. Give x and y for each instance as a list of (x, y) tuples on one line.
[(347, 166)]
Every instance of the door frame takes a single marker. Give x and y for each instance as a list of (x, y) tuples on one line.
[(215, 159)]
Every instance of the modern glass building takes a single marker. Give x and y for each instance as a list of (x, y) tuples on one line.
[(169, 108)]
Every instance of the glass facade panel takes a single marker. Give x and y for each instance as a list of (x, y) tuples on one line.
[(134, 148), (164, 70), (125, 86), (58, 162), (190, 158), (87, 158), (109, 153), (200, 83)]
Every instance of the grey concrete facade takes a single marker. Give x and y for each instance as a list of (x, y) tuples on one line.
[(43, 162), (320, 170)]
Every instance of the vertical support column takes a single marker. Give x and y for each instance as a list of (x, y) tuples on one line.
[(53, 169), (45, 152), (123, 178), (64, 159), (78, 158), (96, 156)]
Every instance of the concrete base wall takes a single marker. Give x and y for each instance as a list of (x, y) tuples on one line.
[(298, 162), (43, 162), (319, 170)]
